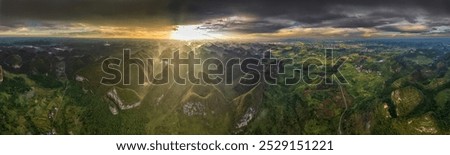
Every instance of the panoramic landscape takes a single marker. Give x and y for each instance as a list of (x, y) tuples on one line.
[(392, 86), (114, 67)]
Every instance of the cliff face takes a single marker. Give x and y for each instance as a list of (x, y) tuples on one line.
[(1, 74)]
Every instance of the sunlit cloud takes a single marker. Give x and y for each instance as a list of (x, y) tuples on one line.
[(194, 32), (86, 31)]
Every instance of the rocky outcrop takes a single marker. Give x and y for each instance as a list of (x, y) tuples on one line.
[(247, 105), (406, 99), (425, 124), (123, 99), (201, 100)]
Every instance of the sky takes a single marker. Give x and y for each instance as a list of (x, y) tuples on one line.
[(225, 19)]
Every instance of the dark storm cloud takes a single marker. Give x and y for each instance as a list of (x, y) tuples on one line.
[(243, 25), (308, 13), (314, 11), (82, 10), (257, 27), (337, 14)]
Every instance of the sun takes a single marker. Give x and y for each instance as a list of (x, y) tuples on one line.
[(193, 32)]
